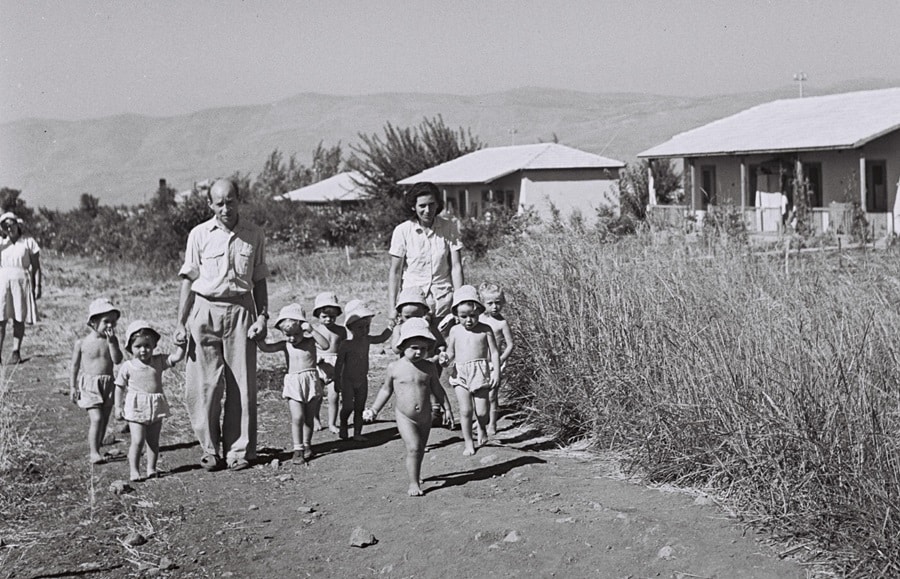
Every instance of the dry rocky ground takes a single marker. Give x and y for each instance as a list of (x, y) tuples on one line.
[(519, 507)]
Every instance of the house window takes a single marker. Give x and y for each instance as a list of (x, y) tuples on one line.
[(812, 174), (498, 197), (876, 187), (708, 184)]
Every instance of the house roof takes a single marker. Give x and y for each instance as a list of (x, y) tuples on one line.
[(839, 121), (486, 165), (340, 187)]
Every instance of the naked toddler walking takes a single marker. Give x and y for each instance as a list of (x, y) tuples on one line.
[(415, 380)]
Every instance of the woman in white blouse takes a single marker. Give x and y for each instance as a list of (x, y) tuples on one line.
[(20, 281)]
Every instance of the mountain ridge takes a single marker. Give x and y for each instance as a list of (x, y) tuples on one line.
[(120, 158)]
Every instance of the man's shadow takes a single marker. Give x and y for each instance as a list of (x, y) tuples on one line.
[(455, 479)]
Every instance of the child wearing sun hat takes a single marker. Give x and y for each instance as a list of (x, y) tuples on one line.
[(92, 384), (302, 385), (326, 310), (415, 380), (472, 347), (351, 374), (140, 399)]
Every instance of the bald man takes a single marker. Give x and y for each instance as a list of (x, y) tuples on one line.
[(222, 310)]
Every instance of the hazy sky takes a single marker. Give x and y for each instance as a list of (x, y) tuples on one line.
[(74, 59)]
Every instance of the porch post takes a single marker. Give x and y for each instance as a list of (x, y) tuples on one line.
[(862, 182), (465, 202), (651, 185)]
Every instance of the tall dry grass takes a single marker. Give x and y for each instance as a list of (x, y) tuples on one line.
[(719, 370)]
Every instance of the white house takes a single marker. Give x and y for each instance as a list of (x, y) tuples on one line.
[(523, 176), (846, 146), (342, 189)]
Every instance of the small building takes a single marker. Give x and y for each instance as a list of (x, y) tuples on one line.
[(525, 176), (845, 148), (342, 189)]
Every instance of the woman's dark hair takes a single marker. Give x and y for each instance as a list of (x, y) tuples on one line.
[(420, 189)]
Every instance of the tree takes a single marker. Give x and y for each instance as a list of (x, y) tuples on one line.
[(634, 186), (10, 201), (278, 177), (401, 153)]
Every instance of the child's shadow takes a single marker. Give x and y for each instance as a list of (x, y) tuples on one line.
[(373, 438), (455, 479)]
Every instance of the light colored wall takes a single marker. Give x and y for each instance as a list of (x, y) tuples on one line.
[(568, 190), (840, 171), (887, 148)]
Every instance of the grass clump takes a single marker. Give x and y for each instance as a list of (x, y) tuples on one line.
[(721, 371)]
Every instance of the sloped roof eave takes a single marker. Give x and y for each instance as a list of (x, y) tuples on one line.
[(408, 181), (743, 152)]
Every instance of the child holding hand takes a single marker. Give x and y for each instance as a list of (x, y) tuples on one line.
[(144, 404), (493, 299), (351, 374), (94, 357), (415, 381), (302, 385), (471, 345), (326, 310)]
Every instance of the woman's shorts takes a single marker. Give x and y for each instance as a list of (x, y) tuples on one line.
[(302, 386), (474, 376), (145, 408), (96, 391)]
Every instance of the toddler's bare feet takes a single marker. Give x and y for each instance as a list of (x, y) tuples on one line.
[(317, 424), (335, 430), (482, 437), (415, 490), (469, 450), (492, 429), (97, 459), (136, 476)]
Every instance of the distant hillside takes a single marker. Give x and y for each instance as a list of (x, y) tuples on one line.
[(121, 158)]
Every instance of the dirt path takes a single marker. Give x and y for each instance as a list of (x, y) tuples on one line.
[(517, 508)]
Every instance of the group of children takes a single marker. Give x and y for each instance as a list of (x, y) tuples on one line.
[(474, 343)]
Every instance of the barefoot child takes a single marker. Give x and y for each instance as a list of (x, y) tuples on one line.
[(327, 310), (472, 346), (415, 380), (139, 393), (493, 299), (302, 385), (411, 303), (351, 371), (94, 357)]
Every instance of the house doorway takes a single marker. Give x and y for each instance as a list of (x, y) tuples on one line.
[(708, 185), (876, 187)]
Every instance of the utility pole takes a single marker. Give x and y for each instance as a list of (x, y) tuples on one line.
[(800, 77)]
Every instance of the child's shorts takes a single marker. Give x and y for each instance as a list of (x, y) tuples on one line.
[(302, 386), (326, 367), (96, 391), (145, 408), (474, 376)]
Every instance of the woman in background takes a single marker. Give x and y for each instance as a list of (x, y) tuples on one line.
[(20, 281)]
